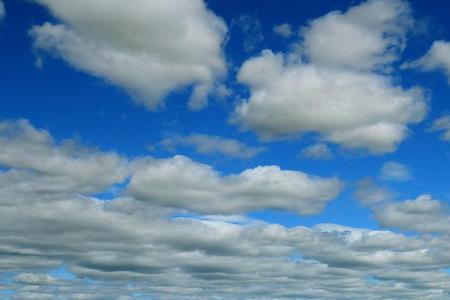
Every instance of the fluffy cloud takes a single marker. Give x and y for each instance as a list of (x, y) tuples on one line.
[(284, 30), (26, 152), (368, 193), (181, 183), (392, 170), (336, 90), (354, 109), (422, 214), (317, 151), (437, 58), (442, 124), (210, 144), (368, 36), (149, 48)]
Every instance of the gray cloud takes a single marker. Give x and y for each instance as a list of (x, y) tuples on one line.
[(182, 183), (211, 144), (149, 48)]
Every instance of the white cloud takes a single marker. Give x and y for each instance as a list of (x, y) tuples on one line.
[(442, 124), (369, 193), (284, 30), (182, 183), (149, 48), (395, 171), (317, 151), (27, 151), (351, 108), (2, 10), (365, 37), (211, 144), (437, 58), (422, 214)]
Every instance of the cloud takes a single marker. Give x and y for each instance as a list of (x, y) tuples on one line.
[(317, 151), (182, 183), (422, 214), (26, 152), (284, 30), (368, 193), (251, 31), (395, 171), (148, 48), (351, 108), (365, 37), (437, 58), (211, 144), (2, 10), (442, 124), (125, 247)]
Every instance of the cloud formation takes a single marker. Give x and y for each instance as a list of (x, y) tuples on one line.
[(284, 30), (437, 58), (211, 144), (149, 48), (125, 247), (365, 37), (422, 214), (336, 90), (395, 171), (442, 124), (179, 182), (317, 151)]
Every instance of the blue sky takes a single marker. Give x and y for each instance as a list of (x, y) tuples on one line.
[(172, 142)]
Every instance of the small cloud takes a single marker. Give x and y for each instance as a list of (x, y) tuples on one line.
[(317, 151), (368, 192), (251, 30), (442, 124), (395, 171), (211, 144), (284, 30)]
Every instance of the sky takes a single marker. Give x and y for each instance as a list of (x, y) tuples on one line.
[(224, 149)]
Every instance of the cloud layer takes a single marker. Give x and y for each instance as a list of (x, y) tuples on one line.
[(149, 48)]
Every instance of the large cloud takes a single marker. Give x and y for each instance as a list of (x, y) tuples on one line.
[(354, 109), (27, 152), (368, 36), (334, 90), (149, 48), (125, 248), (422, 214), (180, 182)]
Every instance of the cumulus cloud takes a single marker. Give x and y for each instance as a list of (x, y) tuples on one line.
[(442, 124), (422, 214), (317, 151), (211, 144), (365, 37), (182, 183), (395, 171), (368, 192), (26, 151), (437, 58), (149, 48), (354, 109), (335, 87), (284, 30)]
